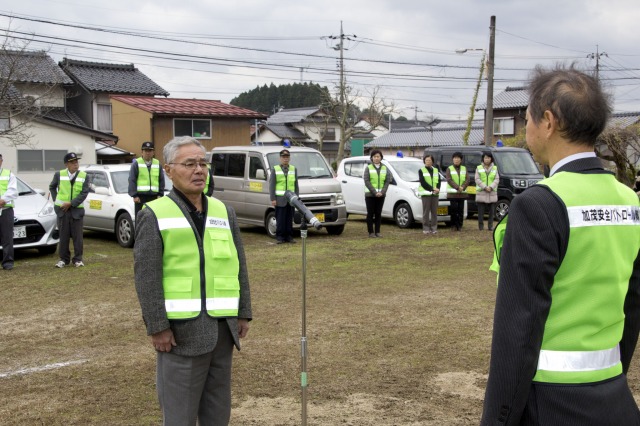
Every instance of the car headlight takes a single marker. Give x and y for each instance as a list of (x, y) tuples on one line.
[(47, 210), (519, 183), (339, 198), (416, 192)]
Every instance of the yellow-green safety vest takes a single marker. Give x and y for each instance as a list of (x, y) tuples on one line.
[(427, 177), (65, 191), (182, 258), (148, 178), (488, 179), (457, 178), (207, 182), (586, 318), (377, 180), (285, 183), (4, 185)]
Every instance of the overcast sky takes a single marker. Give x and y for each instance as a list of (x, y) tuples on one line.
[(219, 49)]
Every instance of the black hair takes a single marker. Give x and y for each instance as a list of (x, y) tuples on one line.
[(374, 152)]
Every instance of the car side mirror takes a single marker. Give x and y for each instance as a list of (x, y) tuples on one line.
[(260, 174), (102, 190)]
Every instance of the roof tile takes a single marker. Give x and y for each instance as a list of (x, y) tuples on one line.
[(190, 107)]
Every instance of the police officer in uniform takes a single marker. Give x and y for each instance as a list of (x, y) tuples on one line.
[(284, 177), (193, 288), (69, 189), (8, 193), (146, 180), (567, 313)]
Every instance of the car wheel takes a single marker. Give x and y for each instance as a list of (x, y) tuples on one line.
[(502, 208), (335, 230), (47, 249), (124, 230), (270, 224), (403, 216)]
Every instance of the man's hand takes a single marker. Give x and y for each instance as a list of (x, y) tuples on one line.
[(2, 203), (136, 200), (273, 203), (163, 341), (65, 206), (243, 327)]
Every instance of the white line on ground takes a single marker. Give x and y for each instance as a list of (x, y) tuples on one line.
[(41, 368)]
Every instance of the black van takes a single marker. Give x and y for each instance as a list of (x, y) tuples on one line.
[(516, 167)]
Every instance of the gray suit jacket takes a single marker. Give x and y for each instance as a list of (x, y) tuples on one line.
[(76, 201), (280, 200), (193, 337)]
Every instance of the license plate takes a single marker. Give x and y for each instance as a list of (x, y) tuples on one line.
[(19, 232), (443, 211), (319, 216)]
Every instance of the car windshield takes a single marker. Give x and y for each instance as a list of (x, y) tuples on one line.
[(120, 181), (310, 165), (407, 170), (23, 188), (515, 163)]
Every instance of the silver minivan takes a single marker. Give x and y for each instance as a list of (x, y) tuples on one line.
[(241, 178)]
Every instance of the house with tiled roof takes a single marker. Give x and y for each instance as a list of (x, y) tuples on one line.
[(95, 82), (412, 141), (36, 129), (214, 123), (509, 111), (308, 126)]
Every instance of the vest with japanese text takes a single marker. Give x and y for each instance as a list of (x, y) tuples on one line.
[(148, 178), (431, 181), (66, 192), (4, 185), (586, 318), (377, 180), (188, 269), (285, 183)]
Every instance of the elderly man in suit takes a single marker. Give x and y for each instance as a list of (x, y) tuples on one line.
[(69, 189), (567, 312), (193, 287)]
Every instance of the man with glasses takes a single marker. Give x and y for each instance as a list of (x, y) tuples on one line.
[(284, 177), (69, 188), (193, 287), (146, 180)]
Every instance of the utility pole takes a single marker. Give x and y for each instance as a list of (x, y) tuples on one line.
[(488, 114), (597, 57)]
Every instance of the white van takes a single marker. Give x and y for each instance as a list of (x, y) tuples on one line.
[(241, 179), (402, 202)]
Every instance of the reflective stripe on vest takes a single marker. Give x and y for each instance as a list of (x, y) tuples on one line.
[(458, 179), (377, 180), (206, 184), (148, 178), (4, 185), (285, 183), (586, 318), (65, 191), (181, 262), (428, 179), (487, 179)]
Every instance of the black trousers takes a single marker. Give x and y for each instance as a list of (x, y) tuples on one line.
[(284, 223), (490, 210), (374, 213), (6, 236), (457, 212), (70, 228)]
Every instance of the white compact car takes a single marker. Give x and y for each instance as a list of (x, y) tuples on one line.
[(402, 202), (35, 221)]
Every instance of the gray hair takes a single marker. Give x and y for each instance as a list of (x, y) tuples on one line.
[(171, 148), (576, 100)]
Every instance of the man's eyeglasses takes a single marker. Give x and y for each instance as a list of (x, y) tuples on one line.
[(191, 165)]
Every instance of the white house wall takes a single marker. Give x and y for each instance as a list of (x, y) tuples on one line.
[(49, 137)]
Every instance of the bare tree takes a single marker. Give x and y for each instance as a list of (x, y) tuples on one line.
[(622, 147), (343, 109), (22, 99)]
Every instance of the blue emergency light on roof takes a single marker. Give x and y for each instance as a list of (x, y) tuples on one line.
[(399, 154), (286, 143), (499, 143)]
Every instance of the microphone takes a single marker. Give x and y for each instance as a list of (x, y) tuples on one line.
[(295, 201)]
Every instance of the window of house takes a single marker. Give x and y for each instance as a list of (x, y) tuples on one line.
[(329, 135), (199, 129), (39, 160), (4, 123), (503, 126), (104, 118)]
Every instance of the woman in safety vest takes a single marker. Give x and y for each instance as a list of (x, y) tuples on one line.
[(376, 182), (487, 179), (429, 190)]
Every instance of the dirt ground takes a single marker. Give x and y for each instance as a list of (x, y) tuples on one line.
[(398, 331)]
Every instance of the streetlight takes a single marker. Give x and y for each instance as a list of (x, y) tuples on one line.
[(488, 114)]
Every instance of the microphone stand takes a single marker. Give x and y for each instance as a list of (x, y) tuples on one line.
[(303, 339)]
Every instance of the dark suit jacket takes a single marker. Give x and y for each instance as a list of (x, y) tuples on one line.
[(197, 336), (535, 243), (76, 201)]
